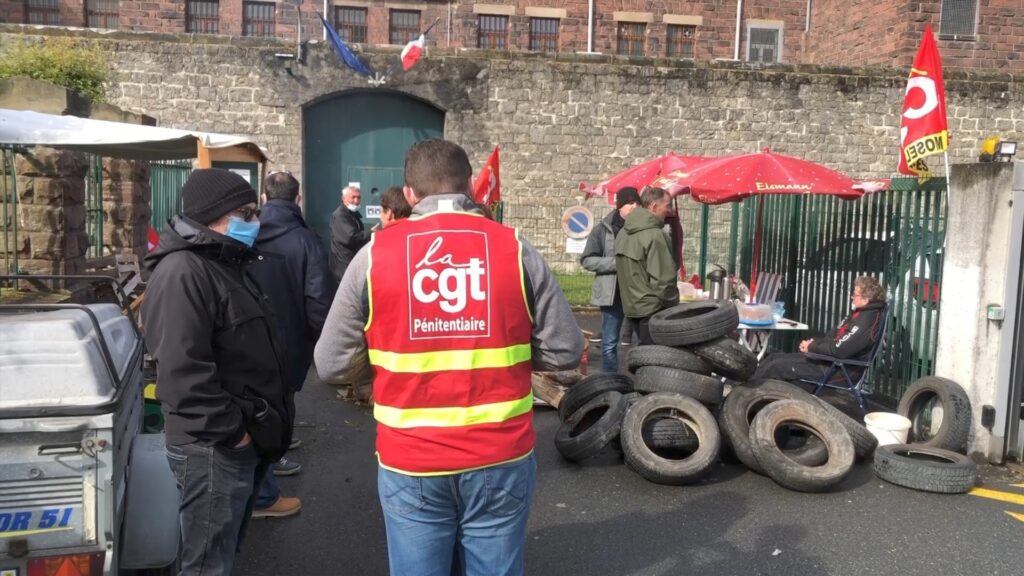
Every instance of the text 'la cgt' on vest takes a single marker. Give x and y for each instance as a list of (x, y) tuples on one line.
[(449, 339)]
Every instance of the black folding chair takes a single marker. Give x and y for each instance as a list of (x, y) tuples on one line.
[(838, 374)]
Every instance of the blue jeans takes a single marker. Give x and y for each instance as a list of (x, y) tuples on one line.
[(477, 519), (268, 491), (217, 488), (611, 326)]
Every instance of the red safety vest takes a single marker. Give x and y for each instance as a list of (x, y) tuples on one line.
[(449, 339)]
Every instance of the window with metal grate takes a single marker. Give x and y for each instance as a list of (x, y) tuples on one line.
[(764, 45), (544, 34), (46, 12), (202, 16), (258, 19), (403, 26), (680, 40), (350, 23), (959, 19), (631, 38), (101, 14), (492, 32)]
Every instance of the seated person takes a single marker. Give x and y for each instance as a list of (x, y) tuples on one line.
[(853, 338)]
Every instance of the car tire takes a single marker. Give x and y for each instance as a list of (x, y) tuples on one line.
[(668, 434), (693, 322), (727, 357), (741, 407), (953, 431), (642, 459), (667, 356), (925, 468), (704, 389), (783, 470), (591, 387), (592, 427)]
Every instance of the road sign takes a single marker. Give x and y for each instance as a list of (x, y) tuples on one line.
[(577, 222)]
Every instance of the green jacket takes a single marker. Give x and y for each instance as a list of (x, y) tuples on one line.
[(644, 265)]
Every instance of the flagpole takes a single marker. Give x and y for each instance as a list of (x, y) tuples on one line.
[(945, 155)]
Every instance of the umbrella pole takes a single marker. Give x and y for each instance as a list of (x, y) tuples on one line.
[(757, 247)]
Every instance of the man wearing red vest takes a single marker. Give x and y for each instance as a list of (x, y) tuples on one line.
[(448, 314)]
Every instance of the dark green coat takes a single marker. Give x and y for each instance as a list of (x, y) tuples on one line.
[(644, 266)]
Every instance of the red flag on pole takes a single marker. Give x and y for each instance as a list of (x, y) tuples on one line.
[(923, 128), (487, 188)]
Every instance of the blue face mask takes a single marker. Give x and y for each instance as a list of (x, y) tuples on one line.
[(244, 232)]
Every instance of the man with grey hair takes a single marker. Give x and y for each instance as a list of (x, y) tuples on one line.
[(348, 234), (643, 261)]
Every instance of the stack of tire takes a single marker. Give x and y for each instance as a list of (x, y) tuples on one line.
[(797, 439), (663, 417), (661, 411), (934, 459)]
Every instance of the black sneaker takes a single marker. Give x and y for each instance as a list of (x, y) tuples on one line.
[(595, 338)]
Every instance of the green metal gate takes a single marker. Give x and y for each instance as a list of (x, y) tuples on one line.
[(165, 181), (821, 244)]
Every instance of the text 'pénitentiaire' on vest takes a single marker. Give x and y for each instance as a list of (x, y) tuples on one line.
[(449, 284)]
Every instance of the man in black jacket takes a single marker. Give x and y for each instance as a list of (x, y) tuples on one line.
[(348, 234), (220, 367), (853, 338), (293, 272)]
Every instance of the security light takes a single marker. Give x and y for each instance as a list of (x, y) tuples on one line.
[(1006, 150)]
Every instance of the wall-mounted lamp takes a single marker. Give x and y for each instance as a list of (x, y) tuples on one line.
[(1006, 151)]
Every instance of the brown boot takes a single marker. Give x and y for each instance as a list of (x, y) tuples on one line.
[(285, 506)]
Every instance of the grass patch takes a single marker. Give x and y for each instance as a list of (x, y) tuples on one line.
[(576, 287)]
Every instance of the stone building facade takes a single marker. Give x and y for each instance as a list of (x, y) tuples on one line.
[(975, 34)]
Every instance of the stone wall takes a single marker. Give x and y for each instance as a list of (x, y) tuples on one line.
[(560, 120)]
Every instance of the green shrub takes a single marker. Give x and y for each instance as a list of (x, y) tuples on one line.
[(79, 66)]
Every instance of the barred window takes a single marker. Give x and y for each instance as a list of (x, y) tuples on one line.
[(544, 34), (764, 45), (631, 38), (958, 19), (258, 19), (403, 26), (492, 32), (680, 41), (101, 14), (202, 16), (350, 23), (42, 12)]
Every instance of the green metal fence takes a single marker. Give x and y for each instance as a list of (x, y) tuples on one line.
[(94, 206), (8, 188), (821, 244), (165, 181)]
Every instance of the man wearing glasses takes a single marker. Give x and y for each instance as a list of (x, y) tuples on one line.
[(853, 338), (220, 365)]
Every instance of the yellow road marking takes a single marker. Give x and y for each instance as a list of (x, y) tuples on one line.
[(997, 495), (1017, 485), (1016, 515)]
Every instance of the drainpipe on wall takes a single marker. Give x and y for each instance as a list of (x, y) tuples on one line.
[(739, 16), (325, 16), (449, 40), (590, 27), (807, 22)]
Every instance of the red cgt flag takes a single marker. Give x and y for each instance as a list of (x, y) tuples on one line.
[(487, 188), (923, 128)]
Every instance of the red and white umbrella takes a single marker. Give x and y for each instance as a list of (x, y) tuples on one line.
[(660, 172)]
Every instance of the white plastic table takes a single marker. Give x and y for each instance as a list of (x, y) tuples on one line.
[(755, 337)]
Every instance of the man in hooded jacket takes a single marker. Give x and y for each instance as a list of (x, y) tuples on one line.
[(220, 367), (293, 272), (645, 269)]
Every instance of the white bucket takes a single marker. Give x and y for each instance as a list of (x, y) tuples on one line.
[(889, 428)]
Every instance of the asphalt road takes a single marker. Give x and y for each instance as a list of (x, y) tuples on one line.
[(601, 519)]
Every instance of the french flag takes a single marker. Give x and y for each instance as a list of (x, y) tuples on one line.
[(412, 52)]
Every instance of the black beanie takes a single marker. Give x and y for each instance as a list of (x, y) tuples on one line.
[(210, 193), (627, 195)]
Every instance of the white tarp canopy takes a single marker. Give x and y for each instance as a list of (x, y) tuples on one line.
[(110, 139)]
